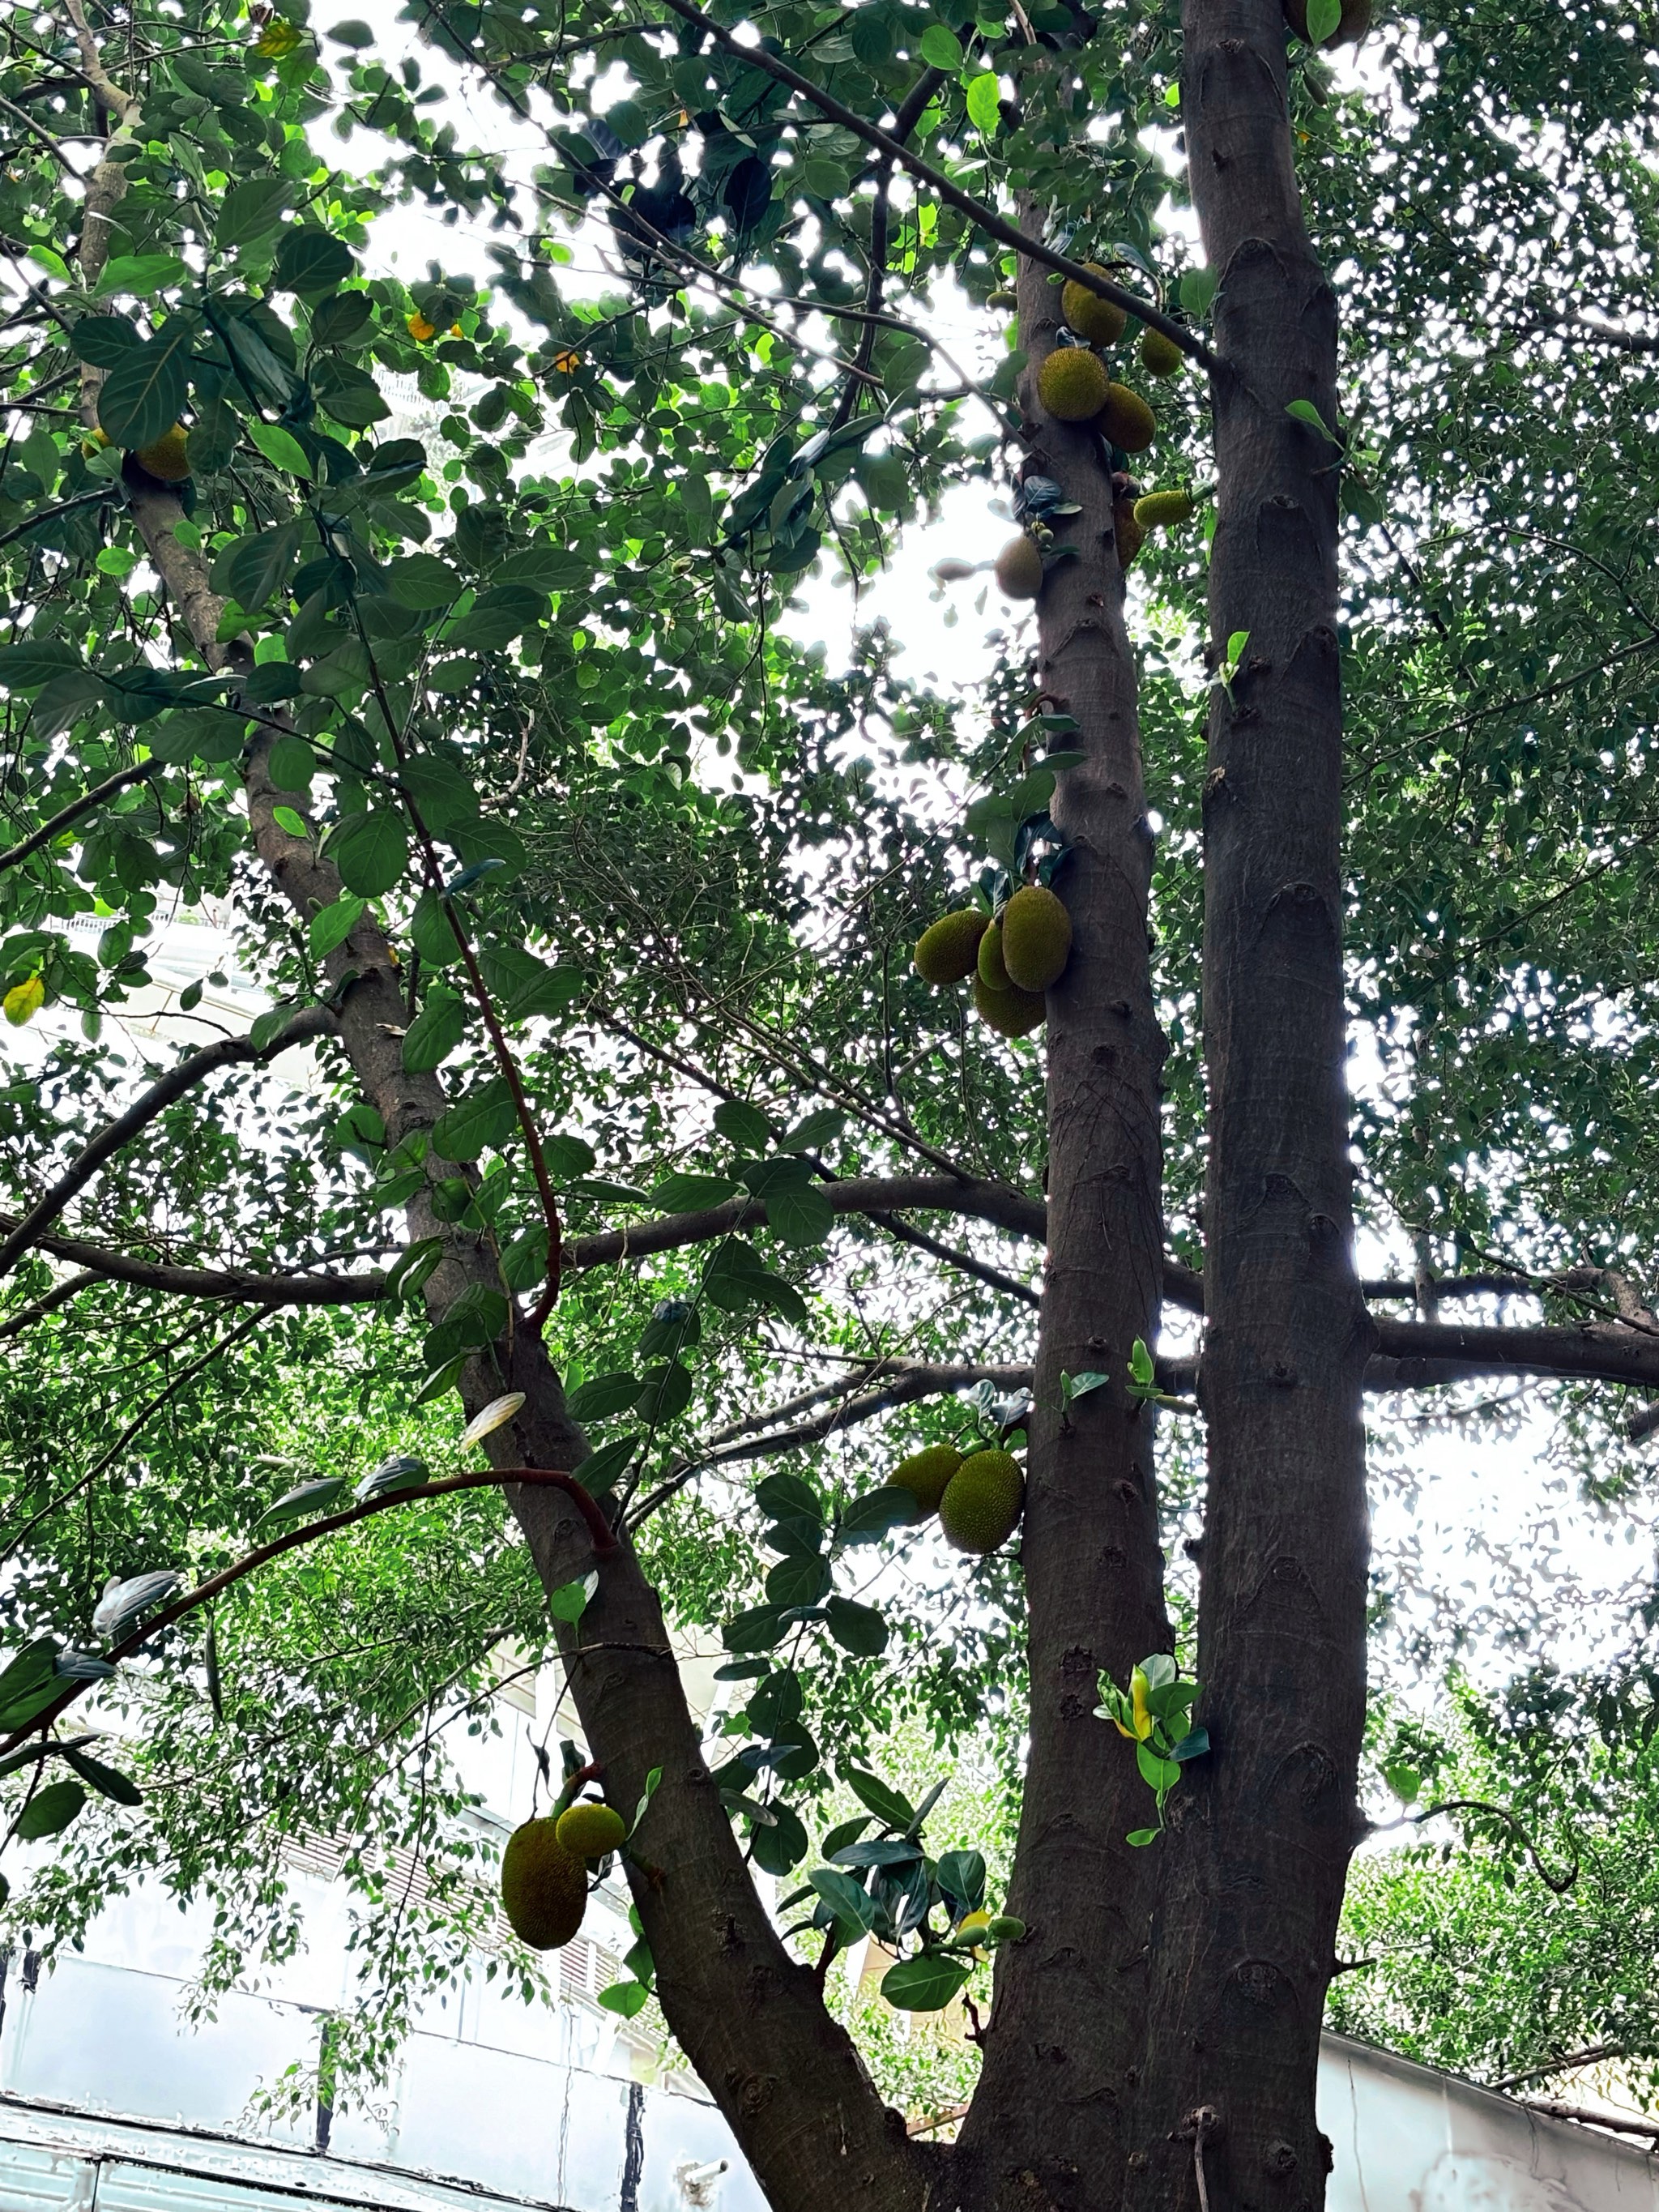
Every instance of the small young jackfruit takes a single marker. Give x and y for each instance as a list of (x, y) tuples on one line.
[(990, 966), (1011, 1013), (1100, 321), (1356, 21), (1036, 938), (1124, 419), (1002, 298), (1005, 1928), (544, 1886), (1162, 510), (1159, 356), (946, 949), (166, 460), (1019, 569), (925, 1475), (591, 1831), (981, 1504), (1072, 385), (1131, 534)]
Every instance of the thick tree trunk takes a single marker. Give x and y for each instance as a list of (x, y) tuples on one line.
[(1047, 2126), (1256, 1863)]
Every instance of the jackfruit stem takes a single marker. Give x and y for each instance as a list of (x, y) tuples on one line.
[(566, 1797)]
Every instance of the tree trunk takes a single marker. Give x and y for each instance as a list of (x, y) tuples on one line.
[(1046, 2128), (1256, 1860)]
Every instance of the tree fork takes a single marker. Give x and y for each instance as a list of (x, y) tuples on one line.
[(1047, 2126), (1257, 1859)]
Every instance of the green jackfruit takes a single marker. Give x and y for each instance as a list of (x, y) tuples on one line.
[(543, 1887), (1131, 533), (945, 950), (591, 1831), (1011, 1013), (1019, 569), (1159, 356), (1036, 938), (1100, 321), (1125, 420), (1356, 21), (1071, 384), (1162, 510), (983, 1502), (989, 966), (925, 1475)]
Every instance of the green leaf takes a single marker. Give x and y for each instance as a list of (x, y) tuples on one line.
[(282, 449), (1191, 1746), (745, 1126), (311, 1498), (776, 1705), (983, 95), (1324, 16), (779, 1848), (961, 1875), (666, 1394), (249, 210), (1303, 409), (759, 1629), (799, 1580), (332, 927), (857, 1628), (371, 853), (422, 581), (292, 764), (624, 1998), (814, 1131), (1160, 1774), (141, 276), (1198, 286), (50, 1811), (25, 667), (480, 1122), (599, 1471), (286, 819), (310, 260), (435, 1030), (104, 1779), (855, 1909), (570, 1600), (889, 1805), (873, 1516), (651, 1781), (801, 1217), (691, 1194), (145, 393), (105, 340), (940, 48), (927, 1984), (1406, 1782), (605, 1396), (1141, 1837)]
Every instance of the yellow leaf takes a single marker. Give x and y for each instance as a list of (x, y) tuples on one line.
[(568, 362), (419, 329), (23, 1001), (278, 38), (1144, 1723)]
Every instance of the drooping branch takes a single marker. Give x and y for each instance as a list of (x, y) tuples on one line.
[(115, 1136), (89, 801), (988, 221), (311, 1531), (236, 1285)]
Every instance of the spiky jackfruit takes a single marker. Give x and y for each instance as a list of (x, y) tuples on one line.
[(1131, 535), (544, 1886), (990, 966), (1036, 938), (1019, 569), (983, 1502), (925, 1475), (1162, 510), (1072, 385), (1100, 321), (1159, 356), (166, 460), (1011, 1013), (945, 950), (590, 1832), (1124, 418)]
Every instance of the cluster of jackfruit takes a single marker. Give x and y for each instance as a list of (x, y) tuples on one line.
[(544, 1871), (1074, 386), (978, 1499), (1013, 957)]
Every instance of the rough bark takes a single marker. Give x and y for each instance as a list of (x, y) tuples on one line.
[(1256, 1863), (749, 2017), (1046, 2128)]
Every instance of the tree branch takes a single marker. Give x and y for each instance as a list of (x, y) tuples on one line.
[(604, 1547), (1599, 1352), (313, 1022), (60, 1294), (1586, 2116), (992, 224), (123, 779)]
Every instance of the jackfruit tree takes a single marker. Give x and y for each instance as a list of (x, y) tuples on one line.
[(652, 1036)]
